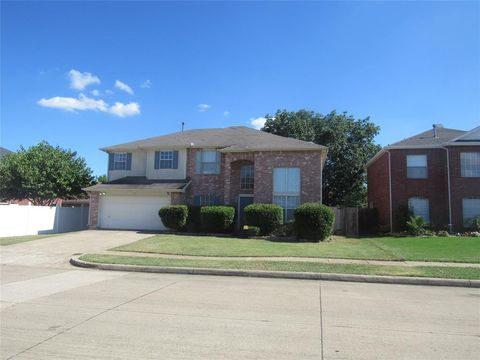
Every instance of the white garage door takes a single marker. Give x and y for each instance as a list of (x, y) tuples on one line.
[(131, 212)]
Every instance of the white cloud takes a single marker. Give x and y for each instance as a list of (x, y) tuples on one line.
[(226, 113), (83, 103), (109, 92), (73, 104), (258, 123), (122, 110), (124, 87), (203, 107), (95, 92), (80, 81), (146, 84)]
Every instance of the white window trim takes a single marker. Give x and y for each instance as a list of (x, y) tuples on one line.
[(466, 221), (412, 208), (423, 166), (252, 177), (160, 159), (288, 194), (122, 162), (473, 169)]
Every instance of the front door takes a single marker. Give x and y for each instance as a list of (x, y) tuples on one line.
[(243, 200)]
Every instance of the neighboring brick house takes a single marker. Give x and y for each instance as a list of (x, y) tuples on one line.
[(435, 173), (235, 165)]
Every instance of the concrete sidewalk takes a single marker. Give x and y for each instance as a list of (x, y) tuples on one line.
[(303, 259)]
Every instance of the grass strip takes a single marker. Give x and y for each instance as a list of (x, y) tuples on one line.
[(297, 266), (4, 241)]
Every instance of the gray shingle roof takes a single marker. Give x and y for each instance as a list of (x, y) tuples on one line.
[(230, 139), (4, 152), (426, 138)]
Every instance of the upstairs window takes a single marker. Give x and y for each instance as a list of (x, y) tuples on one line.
[(120, 161), (417, 166), (246, 177), (207, 162), (470, 164), (166, 159), (420, 207), (286, 190)]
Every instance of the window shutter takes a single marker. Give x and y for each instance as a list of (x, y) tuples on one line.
[(175, 159), (110, 161), (156, 164), (218, 163), (129, 161), (198, 162), (196, 200)]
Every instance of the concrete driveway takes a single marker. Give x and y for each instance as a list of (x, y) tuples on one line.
[(52, 311), (56, 251)]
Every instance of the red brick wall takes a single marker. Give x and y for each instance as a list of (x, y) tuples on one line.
[(310, 166), (434, 188), (379, 191), (461, 187), (227, 183), (93, 211)]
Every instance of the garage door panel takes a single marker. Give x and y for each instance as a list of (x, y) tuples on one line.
[(131, 212)]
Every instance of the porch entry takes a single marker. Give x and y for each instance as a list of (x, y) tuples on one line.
[(243, 200)]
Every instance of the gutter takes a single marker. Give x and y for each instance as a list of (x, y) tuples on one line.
[(450, 225)]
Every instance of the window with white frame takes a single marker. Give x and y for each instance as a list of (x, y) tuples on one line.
[(208, 200), (246, 177), (120, 161), (417, 167), (166, 160), (470, 164), (286, 190), (420, 207), (471, 210)]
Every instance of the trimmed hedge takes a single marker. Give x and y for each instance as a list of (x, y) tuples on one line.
[(314, 221), (265, 216), (216, 218), (174, 216), (193, 219)]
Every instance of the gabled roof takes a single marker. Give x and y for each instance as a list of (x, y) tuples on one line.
[(427, 138), (230, 139), (472, 135)]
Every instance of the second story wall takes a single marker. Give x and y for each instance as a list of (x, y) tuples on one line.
[(138, 167), (178, 173)]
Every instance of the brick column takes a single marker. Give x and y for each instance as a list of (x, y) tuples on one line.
[(93, 210), (227, 176)]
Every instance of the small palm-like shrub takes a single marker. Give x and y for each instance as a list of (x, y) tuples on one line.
[(216, 219), (174, 216), (314, 221), (265, 216), (416, 225), (475, 224)]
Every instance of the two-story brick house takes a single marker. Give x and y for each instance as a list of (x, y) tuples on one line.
[(235, 165), (435, 173)]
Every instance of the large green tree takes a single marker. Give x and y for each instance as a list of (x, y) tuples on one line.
[(350, 145), (43, 173)]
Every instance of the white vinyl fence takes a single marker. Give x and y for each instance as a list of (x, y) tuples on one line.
[(18, 220)]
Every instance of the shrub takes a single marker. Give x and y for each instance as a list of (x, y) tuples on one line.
[(216, 218), (193, 219), (416, 225), (249, 231), (174, 216), (314, 221), (368, 221), (475, 224), (266, 216), (402, 215)]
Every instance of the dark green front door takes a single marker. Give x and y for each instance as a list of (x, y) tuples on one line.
[(242, 202)]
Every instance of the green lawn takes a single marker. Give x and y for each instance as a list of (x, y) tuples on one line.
[(4, 241), (297, 266), (455, 249)]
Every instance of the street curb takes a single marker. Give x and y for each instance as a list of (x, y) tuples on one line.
[(75, 261)]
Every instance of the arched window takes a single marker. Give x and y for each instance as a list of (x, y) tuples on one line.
[(419, 206)]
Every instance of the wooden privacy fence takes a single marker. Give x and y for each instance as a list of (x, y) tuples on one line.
[(346, 221)]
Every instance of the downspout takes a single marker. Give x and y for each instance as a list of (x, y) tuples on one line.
[(390, 190), (449, 191)]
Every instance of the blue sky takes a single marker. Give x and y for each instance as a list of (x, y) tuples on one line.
[(406, 65)]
